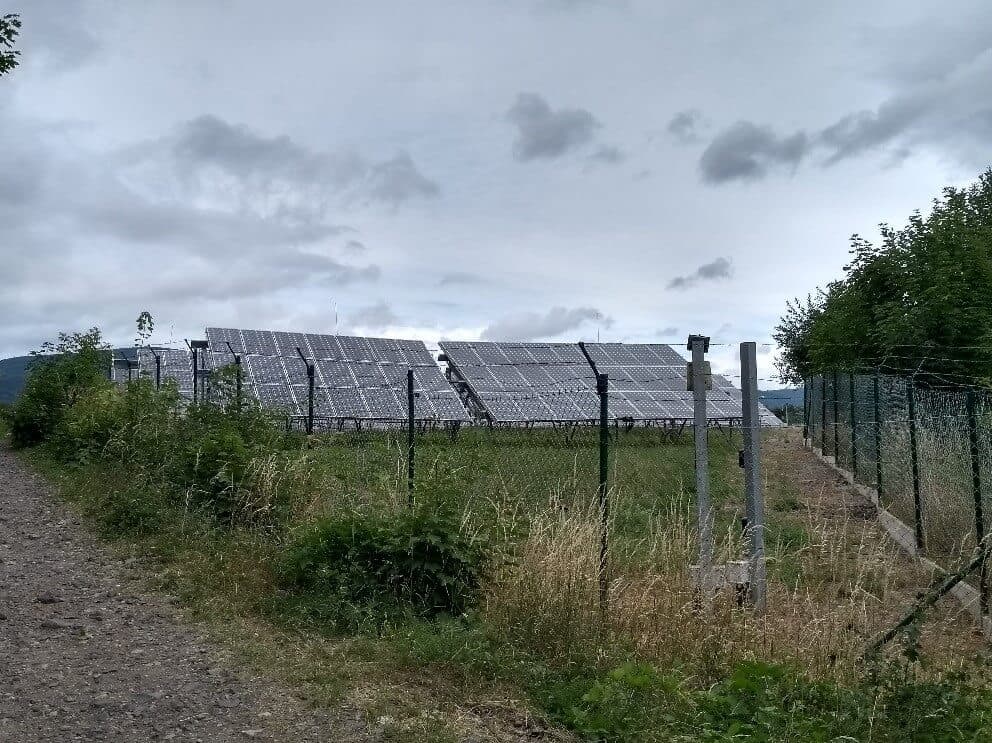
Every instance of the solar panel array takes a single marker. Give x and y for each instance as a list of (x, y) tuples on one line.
[(176, 366), (549, 382), (648, 382), (517, 382), (355, 377)]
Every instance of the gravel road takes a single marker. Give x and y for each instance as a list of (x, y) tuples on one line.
[(85, 655)]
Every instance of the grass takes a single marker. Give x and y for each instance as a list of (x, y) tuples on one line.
[(535, 653)]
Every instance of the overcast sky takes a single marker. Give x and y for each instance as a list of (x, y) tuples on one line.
[(498, 169)]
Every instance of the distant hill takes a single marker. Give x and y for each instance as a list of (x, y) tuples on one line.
[(14, 370), (12, 373), (778, 399)]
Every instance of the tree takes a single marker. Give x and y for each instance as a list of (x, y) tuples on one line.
[(918, 302), (65, 370), (10, 26), (146, 326)]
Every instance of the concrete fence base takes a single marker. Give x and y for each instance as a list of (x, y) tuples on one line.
[(905, 538)]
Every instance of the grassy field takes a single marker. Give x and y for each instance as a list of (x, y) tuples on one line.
[(535, 658)]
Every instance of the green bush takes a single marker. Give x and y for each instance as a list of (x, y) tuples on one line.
[(64, 372), (421, 560), (216, 466)]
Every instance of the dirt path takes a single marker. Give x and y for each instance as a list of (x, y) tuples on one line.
[(85, 655)]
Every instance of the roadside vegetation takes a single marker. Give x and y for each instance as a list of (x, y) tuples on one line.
[(478, 602), (917, 302)]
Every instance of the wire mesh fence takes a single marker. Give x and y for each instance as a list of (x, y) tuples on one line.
[(927, 452)]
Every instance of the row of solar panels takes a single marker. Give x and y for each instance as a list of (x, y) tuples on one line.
[(517, 382), (366, 378)]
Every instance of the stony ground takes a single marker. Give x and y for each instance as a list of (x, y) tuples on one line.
[(86, 655)]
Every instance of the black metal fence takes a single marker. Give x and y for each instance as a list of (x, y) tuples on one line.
[(927, 452)]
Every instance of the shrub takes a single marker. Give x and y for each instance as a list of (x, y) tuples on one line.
[(74, 365), (420, 559), (216, 464)]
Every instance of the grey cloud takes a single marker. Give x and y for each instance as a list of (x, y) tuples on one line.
[(397, 180), (545, 133), (684, 126), (527, 326), (88, 232), (212, 158), (374, 317), (945, 109), (354, 246), (746, 151), (721, 268), (668, 333), (55, 34), (866, 130), (608, 154), (461, 278)]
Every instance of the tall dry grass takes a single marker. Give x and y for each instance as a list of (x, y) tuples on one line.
[(825, 597)]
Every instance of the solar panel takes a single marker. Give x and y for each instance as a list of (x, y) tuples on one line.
[(548, 382), (526, 382), (176, 366), (355, 377)]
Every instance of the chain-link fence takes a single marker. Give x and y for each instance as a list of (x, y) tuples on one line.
[(927, 452)]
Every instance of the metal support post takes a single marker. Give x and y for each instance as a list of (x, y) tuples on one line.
[(698, 345), (158, 371), (602, 389), (878, 438), (196, 372), (854, 432), (836, 419), (914, 459), (410, 438), (755, 503), (806, 407), (976, 485), (823, 414)]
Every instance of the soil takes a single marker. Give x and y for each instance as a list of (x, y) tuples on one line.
[(86, 655)]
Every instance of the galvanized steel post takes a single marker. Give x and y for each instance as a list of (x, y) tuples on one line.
[(698, 345), (976, 485), (410, 438), (914, 459), (602, 389), (755, 504)]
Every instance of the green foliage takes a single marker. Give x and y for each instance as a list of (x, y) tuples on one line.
[(64, 372), (917, 302), (10, 27), (420, 559)]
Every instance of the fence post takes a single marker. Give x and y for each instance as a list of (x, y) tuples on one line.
[(878, 438), (311, 371), (754, 499), (805, 411), (158, 372), (914, 459), (698, 344), (976, 484), (602, 388), (836, 418), (411, 441), (196, 370), (237, 393), (823, 413), (854, 432)]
